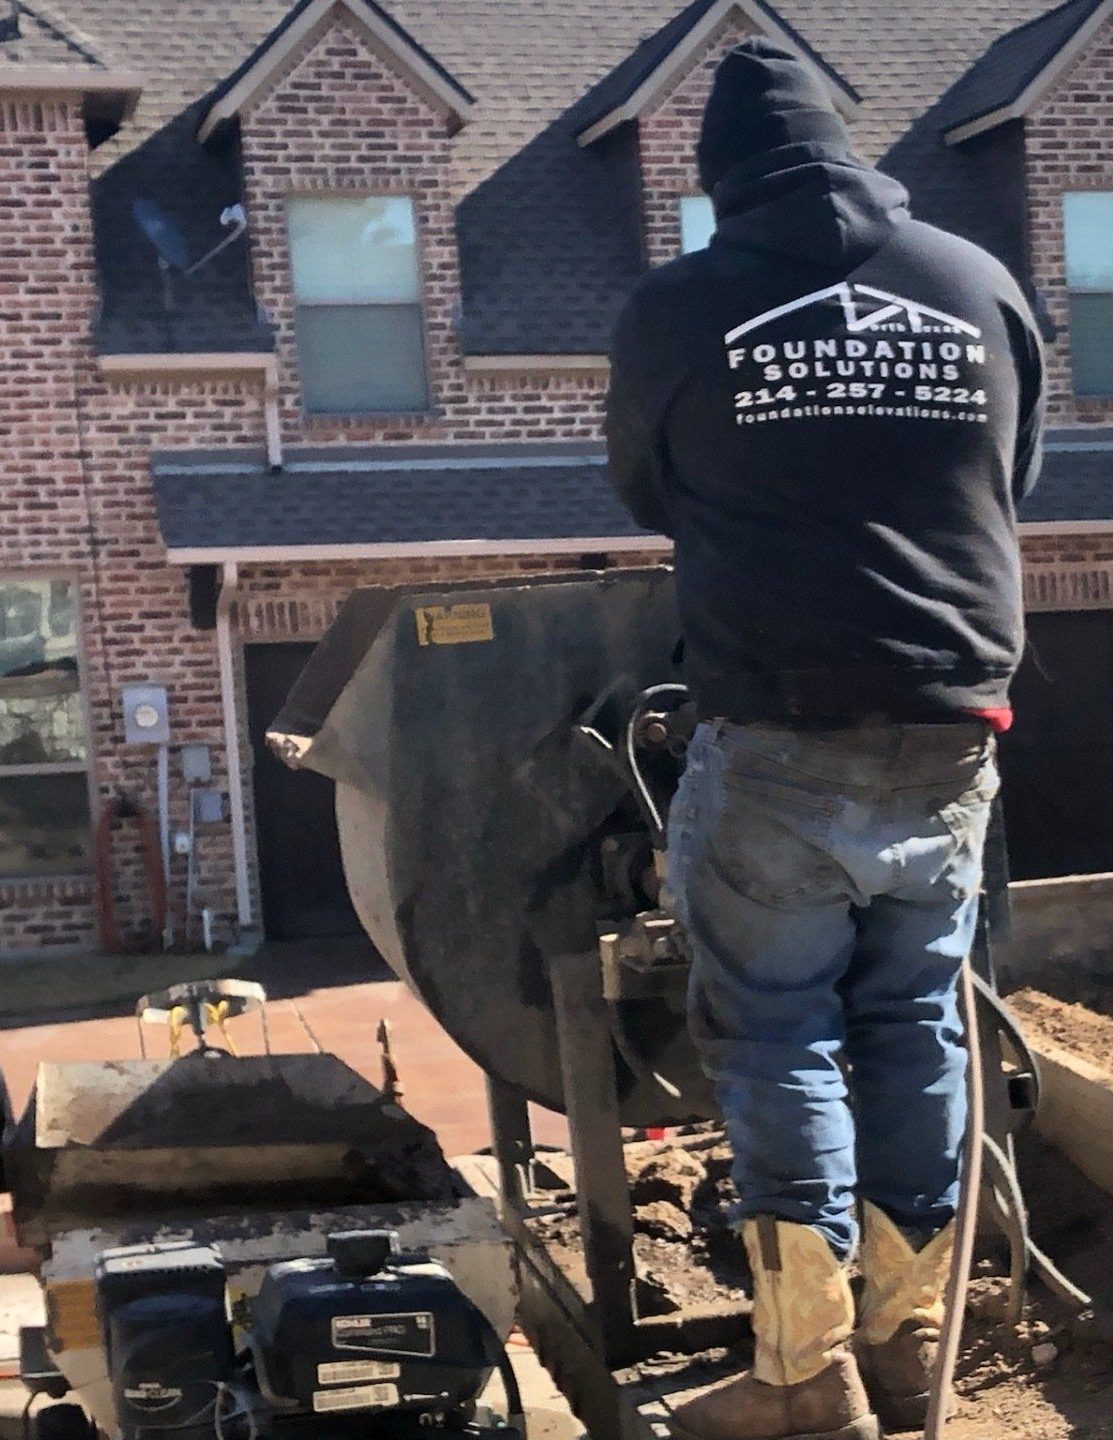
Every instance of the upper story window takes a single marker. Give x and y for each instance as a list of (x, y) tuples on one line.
[(697, 222), (357, 289), (1088, 242), (45, 826)]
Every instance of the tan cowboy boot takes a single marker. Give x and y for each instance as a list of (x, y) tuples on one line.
[(901, 1317), (804, 1384)]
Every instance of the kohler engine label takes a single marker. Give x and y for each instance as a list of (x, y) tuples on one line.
[(412, 1334)]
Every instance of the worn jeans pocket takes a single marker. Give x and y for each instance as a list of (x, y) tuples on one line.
[(772, 837), (967, 815)]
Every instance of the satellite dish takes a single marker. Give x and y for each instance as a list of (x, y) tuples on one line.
[(163, 233)]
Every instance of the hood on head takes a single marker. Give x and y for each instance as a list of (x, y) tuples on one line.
[(763, 98), (778, 162)]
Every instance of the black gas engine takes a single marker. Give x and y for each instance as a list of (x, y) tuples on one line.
[(367, 1340)]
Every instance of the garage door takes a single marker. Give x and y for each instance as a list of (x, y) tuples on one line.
[(1057, 762), (304, 895)]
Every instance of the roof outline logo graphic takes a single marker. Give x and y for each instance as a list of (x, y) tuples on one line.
[(882, 308)]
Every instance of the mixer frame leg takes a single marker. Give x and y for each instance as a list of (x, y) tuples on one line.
[(602, 1185), (512, 1141)]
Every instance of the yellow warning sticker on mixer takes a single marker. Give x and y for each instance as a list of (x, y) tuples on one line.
[(453, 624), (72, 1315)]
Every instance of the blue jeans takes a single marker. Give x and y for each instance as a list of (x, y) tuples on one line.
[(828, 882)]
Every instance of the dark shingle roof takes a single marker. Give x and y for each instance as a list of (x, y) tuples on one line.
[(1011, 63), (551, 245), (374, 497), (142, 313), (554, 242), (1076, 482), (624, 80)]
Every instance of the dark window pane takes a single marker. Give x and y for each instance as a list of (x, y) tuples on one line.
[(1087, 227), (41, 718), (38, 624), (360, 358), (1091, 343), (44, 825)]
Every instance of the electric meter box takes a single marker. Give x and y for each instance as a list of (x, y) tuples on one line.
[(146, 715)]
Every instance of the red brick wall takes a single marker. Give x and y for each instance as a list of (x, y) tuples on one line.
[(341, 120), (338, 119), (667, 136), (364, 130), (1069, 147), (46, 298)]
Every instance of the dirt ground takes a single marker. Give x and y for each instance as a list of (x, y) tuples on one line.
[(686, 1257), (1081, 1022), (1051, 1378)]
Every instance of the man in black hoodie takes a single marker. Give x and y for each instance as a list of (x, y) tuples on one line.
[(833, 411)]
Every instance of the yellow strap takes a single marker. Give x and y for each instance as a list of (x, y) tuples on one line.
[(176, 1023), (218, 1014)]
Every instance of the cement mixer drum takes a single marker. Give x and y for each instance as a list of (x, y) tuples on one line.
[(486, 817)]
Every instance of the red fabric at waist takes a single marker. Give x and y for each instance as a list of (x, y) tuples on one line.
[(1000, 719)]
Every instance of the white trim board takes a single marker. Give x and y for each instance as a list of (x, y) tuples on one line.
[(1036, 88), (427, 80), (111, 93), (659, 80), (1066, 527), (69, 80), (413, 550)]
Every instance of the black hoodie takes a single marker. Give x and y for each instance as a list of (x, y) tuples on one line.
[(833, 411)]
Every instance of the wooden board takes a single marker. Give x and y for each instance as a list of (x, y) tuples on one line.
[(1076, 1109)]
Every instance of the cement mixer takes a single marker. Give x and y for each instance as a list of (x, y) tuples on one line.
[(488, 818), (504, 758)]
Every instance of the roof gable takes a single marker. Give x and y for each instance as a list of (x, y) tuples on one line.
[(1018, 69), (255, 75), (633, 85)]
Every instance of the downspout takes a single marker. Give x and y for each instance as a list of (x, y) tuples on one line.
[(229, 582), (270, 416)]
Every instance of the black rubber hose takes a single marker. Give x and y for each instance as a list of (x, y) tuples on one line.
[(499, 1356), (1012, 1216)]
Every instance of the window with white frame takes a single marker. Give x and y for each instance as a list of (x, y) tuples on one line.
[(1088, 245), (357, 291), (45, 824), (697, 222)]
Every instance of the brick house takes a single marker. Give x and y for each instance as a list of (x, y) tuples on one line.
[(300, 298)]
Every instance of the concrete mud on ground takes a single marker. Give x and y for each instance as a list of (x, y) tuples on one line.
[(686, 1256)]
